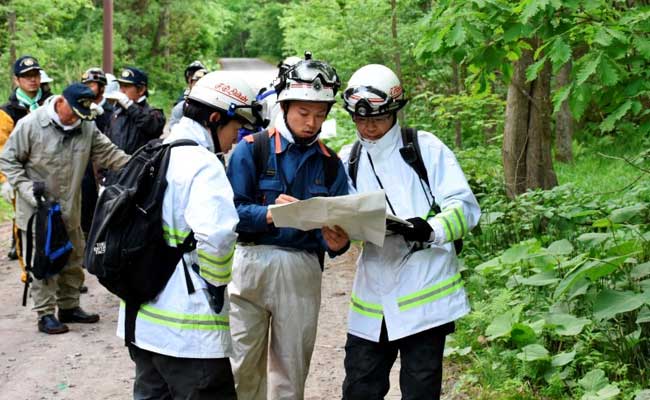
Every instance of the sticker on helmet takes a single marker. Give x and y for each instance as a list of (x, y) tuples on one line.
[(231, 92)]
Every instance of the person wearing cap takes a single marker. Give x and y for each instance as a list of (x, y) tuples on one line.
[(407, 294), (276, 284), (134, 121), (187, 75), (177, 111), (49, 149), (27, 96), (45, 83), (186, 356)]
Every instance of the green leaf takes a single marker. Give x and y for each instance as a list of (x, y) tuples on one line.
[(542, 279), (559, 53), (533, 69), (602, 37), (522, 334), (608, 124), (642, 45), (644, 316), (608, 303), (608, 392), (579, 100), (643, 395), (533, 352), (562, 359), (608, 73), (588, 65), (640, 271), (560, 247), (594, 380), (566, 324), (594, 239), (457, 35), (632, 214), (501, 325), (560, 95), (532, 8), (489, 265)]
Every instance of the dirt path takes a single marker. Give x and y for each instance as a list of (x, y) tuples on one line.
[(90, 362)]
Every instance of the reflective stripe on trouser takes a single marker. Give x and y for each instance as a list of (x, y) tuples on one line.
[(274, 299), (61, 290)]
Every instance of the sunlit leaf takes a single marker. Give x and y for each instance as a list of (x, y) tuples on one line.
[(560, 247), (533, 352), (609, 303), (566, 324), (562, 359)]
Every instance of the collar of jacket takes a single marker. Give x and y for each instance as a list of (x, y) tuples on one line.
[(287, 138), (187, 128), (44, 118), (385, 145)]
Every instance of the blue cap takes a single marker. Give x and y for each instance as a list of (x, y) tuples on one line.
[(25, 64), (133, 76), (79, 98)]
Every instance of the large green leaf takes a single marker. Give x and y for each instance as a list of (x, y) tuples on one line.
[(644, 316), (542, 279), (559, 53), (533, 352), (594, 239), (560, 96), (640, 271), (588, 66), (562, 359), (533, 70), (642, 46), (609, 303), (457, 34), (566, 324), (631, 214), (608, 124), (522, 334), (560, 247), (610, 391), (593, 270), (594, 380), (609, 75)]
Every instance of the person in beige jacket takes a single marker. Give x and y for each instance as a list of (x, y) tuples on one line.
[(51, 147)]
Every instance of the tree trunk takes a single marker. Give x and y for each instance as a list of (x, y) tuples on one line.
[(11, 22), (527, 159), (458, 89), (161, 30), (396, 50), (564, 123)]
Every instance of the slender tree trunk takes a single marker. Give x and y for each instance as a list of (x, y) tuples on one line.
[(11, 22), (564, 123), (458, 89), (527, 159), (396, 50)]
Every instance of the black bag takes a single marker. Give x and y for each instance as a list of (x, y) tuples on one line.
[(48, 243), (125, 247)]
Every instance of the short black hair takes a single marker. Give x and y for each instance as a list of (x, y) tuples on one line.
[(199, 112)]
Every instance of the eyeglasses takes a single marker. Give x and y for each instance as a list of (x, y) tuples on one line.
[(376, 120)]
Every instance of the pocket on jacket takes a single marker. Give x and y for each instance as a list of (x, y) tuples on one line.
[(270, 189)]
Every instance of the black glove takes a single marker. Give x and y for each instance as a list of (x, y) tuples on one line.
[(420, 232), (39, 190)]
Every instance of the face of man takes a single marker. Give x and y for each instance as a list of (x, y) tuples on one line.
[(373, 128), (133, 92), (65, 113), (29, 82), (305, 118), (97, 88)]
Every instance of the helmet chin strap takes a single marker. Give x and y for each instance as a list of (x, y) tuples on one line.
[(300, 141), (213, 127)]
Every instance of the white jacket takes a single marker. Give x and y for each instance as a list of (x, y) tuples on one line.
[(198, 198), (412, 290)]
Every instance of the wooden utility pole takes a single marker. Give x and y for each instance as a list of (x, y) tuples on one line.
[(107, 60), (11, 22)]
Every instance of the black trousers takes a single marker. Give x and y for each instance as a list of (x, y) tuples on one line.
[(368, 365), (161, 377)]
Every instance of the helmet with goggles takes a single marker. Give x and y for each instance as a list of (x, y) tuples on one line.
[(373, 90), (94, 75), (227, 91), (309, 80)]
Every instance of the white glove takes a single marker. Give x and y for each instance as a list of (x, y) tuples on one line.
[(121, 99), (7, 191), (96, 110)]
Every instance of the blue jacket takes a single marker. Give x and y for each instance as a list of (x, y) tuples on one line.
[(296, 171)]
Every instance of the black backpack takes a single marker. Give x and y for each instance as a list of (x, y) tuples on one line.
[(411, 155), (125, 247), (47, 242)]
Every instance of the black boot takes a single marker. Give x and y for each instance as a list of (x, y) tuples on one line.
[(13, 254), (77, 315), (50, 325)]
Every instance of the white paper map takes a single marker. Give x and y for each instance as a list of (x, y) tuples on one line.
[(362, 216)]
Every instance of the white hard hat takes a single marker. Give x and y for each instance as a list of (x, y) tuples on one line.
[(45, 78), (373, 90), (228, 92), (309, 80)]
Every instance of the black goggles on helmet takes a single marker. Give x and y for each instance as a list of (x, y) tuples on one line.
[(367, 100), (256, 110), (308, 71), (94, 75)]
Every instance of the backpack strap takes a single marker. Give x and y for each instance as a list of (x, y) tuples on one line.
[(28, 256), (330, 164), (353, 162)]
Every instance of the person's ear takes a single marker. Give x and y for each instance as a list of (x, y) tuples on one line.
[(214, 117)]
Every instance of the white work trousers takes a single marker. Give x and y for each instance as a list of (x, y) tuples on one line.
[(274, 294)]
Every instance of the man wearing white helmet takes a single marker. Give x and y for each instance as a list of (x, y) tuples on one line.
[(406, 294), (182, 338), (177, 110), (275, 292)]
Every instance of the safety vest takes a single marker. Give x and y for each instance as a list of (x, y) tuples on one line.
[(198, 199), (411, 287)]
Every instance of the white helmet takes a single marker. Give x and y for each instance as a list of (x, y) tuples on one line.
[(227, 91), (309, 80), (287, 63), (373, 90), (44, 77)]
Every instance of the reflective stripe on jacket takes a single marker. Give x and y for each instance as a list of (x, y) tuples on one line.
[(198, 199), (412, 290)]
